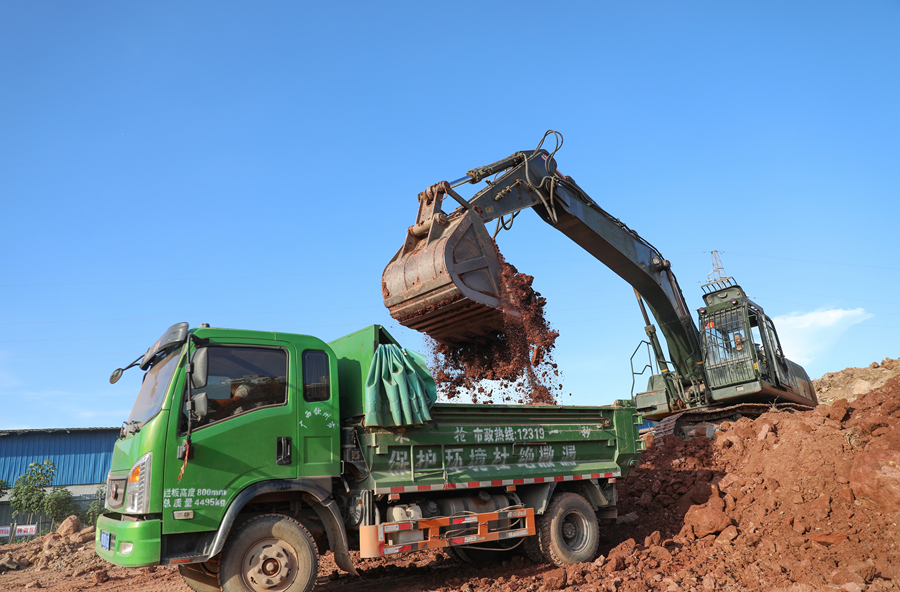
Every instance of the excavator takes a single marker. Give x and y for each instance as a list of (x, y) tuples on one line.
[(445, 281)]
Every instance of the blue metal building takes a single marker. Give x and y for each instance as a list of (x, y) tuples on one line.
[(82, 455)]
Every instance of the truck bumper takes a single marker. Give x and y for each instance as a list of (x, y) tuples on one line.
[(131, 544)]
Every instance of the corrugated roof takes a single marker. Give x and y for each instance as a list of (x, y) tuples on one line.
[(82, 455), (67, 430)]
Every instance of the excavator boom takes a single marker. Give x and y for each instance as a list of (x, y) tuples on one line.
[(446, 279)]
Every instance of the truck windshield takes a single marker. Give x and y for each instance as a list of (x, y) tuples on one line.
[(153, 391)]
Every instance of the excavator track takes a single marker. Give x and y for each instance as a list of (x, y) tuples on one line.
[(704, 421)]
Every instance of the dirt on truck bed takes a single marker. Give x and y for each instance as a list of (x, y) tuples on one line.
[(788, 501)]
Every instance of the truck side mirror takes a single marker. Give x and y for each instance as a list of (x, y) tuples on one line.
[(201, 405), (199, 376)]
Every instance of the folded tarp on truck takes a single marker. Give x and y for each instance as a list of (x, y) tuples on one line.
[(396, 391), (399, 389)]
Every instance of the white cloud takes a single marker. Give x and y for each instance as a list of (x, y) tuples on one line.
[(806, 335)]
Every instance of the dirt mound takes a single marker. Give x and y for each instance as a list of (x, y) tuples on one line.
[(853, 382), (809, 500), (72, 549), (65, 561), (520, 357)]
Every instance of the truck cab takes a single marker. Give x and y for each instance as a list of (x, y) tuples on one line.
[(271, 417)]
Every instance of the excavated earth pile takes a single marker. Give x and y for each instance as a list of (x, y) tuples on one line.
[(853, 382), (519, 359), (65, 561), (805, 501)]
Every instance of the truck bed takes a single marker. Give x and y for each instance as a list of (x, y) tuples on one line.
[(474, 446)]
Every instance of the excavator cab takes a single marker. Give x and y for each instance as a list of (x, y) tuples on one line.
[(742, 355)]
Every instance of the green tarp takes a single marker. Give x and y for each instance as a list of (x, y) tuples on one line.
[(399, 388)]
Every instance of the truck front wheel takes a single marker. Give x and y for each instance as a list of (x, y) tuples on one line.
[(568, 533), (269, 553)]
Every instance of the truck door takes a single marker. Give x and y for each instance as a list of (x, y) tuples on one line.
[(248, 435), (319, 420)]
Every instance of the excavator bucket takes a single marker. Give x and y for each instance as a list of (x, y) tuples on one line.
[(446, 279)]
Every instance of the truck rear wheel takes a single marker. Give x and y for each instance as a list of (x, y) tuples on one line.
[(198, 578), (270, 553), (568, 532)]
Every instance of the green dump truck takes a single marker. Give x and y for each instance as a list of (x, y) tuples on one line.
[(247, 454)]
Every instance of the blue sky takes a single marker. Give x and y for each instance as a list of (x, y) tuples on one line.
[(256, 166)]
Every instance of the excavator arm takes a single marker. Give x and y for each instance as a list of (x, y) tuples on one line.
[(445, 281)]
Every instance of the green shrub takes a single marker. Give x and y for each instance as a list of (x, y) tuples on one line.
[(97, 507), (58, 506), (27, 495)]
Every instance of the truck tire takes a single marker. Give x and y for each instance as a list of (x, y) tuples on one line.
[(269, 553), (568, 532), (198, 579)]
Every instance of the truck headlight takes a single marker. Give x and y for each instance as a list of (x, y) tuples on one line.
[(137, 489)]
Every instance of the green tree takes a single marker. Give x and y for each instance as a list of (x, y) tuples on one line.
[(58, 505), (4, 486), (27, 495), (97, 507)]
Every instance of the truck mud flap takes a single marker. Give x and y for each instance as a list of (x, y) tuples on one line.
[(391, 538), (330, 516)]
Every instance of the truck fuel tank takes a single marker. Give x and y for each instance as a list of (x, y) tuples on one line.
[(473, 504)]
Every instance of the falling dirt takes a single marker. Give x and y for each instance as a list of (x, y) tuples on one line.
[(519, 358)]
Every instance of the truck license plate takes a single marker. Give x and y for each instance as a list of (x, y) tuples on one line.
[(104, 540)]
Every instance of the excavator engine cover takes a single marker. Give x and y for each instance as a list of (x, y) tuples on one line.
[(446, 280)]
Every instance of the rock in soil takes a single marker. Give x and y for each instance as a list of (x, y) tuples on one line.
[(70, 525)]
